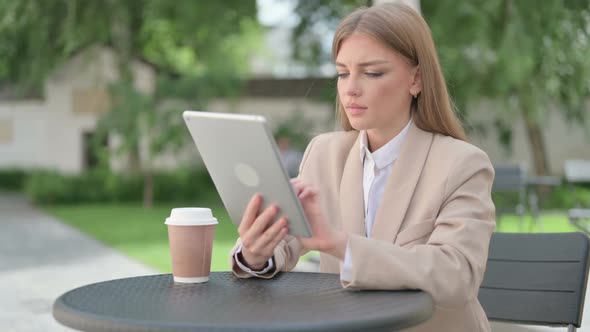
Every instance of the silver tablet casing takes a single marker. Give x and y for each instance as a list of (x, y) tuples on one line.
[(242, 159)]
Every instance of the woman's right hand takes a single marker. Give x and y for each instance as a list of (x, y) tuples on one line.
[(259, 236)]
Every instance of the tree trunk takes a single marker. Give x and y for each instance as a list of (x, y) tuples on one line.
[(536, 141), (148, 188)]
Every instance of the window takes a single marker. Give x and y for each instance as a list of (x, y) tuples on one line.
[(6, 134), (90, 101)]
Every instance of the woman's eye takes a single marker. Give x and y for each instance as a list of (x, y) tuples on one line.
[(342, 75), (373, 74)]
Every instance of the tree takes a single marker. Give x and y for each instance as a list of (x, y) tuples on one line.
[(318, 19), (197, 48), (521, 54)]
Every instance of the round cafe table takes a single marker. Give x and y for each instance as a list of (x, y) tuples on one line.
[(289, 302)]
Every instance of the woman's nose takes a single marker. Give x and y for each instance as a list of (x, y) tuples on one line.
[(353, 88)]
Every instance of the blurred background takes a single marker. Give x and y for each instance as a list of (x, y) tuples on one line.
[(91, 96)]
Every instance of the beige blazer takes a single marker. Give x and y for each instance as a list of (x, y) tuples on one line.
[(431, 231)]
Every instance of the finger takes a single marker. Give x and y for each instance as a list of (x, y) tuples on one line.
[(278, 238), (251, 235), (266, 238), (250, 214), (263, 220)]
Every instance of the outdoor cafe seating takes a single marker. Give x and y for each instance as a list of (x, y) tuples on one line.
[(536, 279)]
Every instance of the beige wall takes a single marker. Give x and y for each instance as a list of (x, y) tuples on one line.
[(563, 140), (28, 144), (279, 110), (49, 133)]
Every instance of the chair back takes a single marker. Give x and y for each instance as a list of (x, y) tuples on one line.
[(537, 279), (509, 178), (577, 171)]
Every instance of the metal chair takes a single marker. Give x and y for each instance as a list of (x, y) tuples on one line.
[(511, 179), (534, 183), (578, 172), (536, 279)]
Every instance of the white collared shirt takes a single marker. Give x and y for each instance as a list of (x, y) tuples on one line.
[(377, 167)]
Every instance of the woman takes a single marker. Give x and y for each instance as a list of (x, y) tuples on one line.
[(398, 199)]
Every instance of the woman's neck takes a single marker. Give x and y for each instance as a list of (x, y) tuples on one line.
[(378, 137)]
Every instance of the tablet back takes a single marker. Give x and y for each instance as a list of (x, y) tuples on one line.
[(242, 158)]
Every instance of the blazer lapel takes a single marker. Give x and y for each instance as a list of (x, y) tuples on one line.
[(351, 193), (401, 184)]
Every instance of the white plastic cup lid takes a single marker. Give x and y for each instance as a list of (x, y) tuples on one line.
[(191, 216)]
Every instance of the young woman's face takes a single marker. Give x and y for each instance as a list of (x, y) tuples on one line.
[(375, 85)]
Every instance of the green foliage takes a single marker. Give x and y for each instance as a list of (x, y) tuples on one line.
[(566, 196), (183, 185), (12, 179), (560, 198), (317, 19), (517, 52), (196, 48), (186, 38), (50, 187), (524, 55), (500, 49)]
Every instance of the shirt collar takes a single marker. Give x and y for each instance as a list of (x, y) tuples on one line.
[(388, 153)]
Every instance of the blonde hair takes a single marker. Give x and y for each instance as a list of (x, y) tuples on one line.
[(403, 30)]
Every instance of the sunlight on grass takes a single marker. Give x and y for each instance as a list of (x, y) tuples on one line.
[(553, 222), (140, 233)]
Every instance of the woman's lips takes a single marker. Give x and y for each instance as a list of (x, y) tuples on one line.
[(354, 109)]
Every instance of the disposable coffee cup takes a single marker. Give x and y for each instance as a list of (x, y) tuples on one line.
[(190, 234)]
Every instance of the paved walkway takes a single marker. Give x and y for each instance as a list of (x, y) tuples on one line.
[(41, 258)]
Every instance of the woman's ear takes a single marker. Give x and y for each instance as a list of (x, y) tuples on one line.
[(416, 86)]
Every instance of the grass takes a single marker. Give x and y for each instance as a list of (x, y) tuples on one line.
[(141, 234), (550, 222)]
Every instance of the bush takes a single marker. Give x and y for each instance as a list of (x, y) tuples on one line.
[(559, 198), (182, 185), (46, 187), (50, 187), (566, 197), (12, 179)]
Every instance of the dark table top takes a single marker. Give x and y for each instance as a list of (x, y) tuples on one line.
[(289, 302)]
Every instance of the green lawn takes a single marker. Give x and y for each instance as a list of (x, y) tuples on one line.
[(141, 233), (549, 222)]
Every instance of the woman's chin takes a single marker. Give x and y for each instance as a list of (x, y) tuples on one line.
[(358, 124)]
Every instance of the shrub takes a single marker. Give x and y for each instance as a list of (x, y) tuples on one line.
[(559, 198), (566, 196), (94, 186), (12, 179), (47, 187)]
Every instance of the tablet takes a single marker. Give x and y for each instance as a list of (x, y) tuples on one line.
[(242, 159)]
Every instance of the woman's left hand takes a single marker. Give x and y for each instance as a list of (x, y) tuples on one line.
[(325, 238)]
